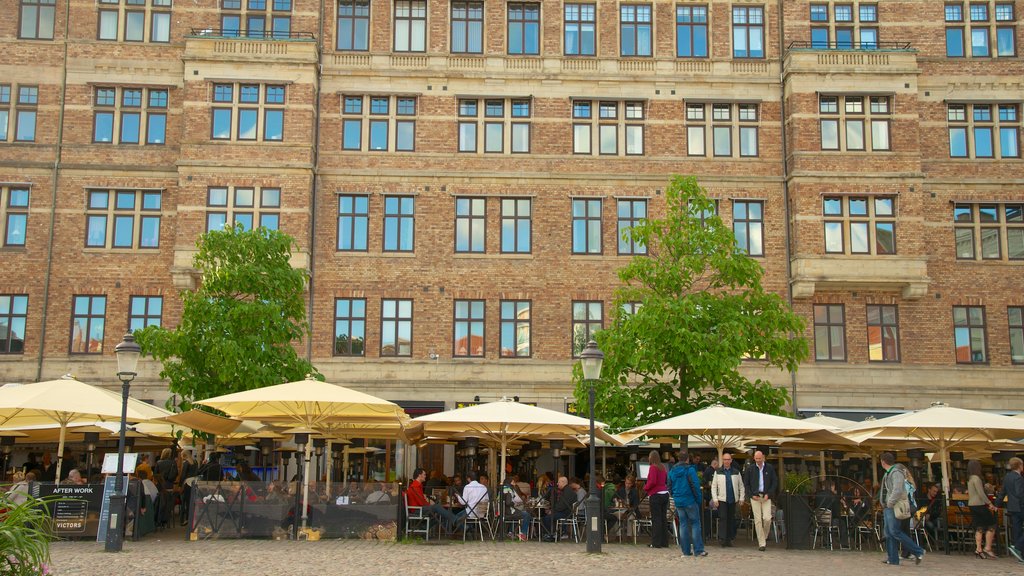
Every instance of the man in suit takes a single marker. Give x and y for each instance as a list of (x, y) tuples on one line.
[(1013, 491), (760, 485)]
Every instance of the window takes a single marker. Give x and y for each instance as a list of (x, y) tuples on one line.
[(142, 21), (630, 213), (469, 329), (611, 121), (24, 113), (1015, 317), (354, 25), (747, 32), (635, 29), (467, 27), (692, 31), (523, 28), (515, 329), (829, 332), (587, 319), (844, 27), (129, 116), (580, 29), (14, 207), (470, 225), (350, 327), (144, 311), (353, 220), (516, 225), (13, 316), (860, 224), (505, 127), (248, 112), (396, 328), (883, 334), (410, 26), (385, 115), (989, 231), (36, 19), (87, 319), (586, 226), (983, 130), (244, 206), (748, 226), (256, 18), (399, 223), (733, 131), (122, 219), (855, 123), (969, 334), (988, 21)]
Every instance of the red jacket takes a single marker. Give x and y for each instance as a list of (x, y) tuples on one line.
[(414, 494)]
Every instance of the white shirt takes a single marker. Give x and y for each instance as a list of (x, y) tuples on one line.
[(473, 496)]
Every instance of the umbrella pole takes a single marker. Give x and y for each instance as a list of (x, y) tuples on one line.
[(821, 461), (305, 484), (501, 491), (874, 469), (330, 466), (344, 468), (604, 461), (60, 451)]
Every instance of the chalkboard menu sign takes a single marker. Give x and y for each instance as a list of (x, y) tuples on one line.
[(76, 514)]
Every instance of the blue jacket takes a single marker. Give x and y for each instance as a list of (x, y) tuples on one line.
[(684, 484)]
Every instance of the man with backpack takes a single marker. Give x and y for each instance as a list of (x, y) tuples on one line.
[(896, 499), (684, 485)]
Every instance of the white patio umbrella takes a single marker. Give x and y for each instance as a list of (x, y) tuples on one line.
[(66, 401), (505, 421), (720, 426), (309, 404), (941, 428)]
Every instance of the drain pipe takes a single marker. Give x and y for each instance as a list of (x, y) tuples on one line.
[(785, 183), (315, 183), (54, 176)]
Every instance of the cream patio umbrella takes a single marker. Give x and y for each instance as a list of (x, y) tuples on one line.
[(308, 404), (505, 421), (66, 401), (720, 425), (940, 427)]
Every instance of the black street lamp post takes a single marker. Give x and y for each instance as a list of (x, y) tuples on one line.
[(591, 359), (127, 359)]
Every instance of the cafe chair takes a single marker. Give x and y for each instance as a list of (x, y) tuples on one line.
[(643, 517), (417, 520), (479, 516), (823, 525)]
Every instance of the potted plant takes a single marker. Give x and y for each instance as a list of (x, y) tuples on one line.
[(25, 537), (799, 516)]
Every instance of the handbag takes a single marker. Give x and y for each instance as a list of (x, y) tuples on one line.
[(902, 509)]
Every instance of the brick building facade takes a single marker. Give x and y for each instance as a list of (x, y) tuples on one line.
[(456, 173)]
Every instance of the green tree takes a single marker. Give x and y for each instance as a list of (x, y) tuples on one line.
[(239, 327), (702, 311)]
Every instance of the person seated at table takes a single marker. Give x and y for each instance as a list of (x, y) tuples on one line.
[(515, 506), (74, 478), (629, 494), (379, 495), (543, 486), (415, 498), (562, 500), (828, 498), (457, 483), (608, 490), (19, 492), (148, 486), (930, 513), (859, 505), (577, 487), (437, 480), (474, 497)]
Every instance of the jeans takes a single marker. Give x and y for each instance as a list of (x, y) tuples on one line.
[(726, 521), (689, 530), (894, 536), (445, 515), (659, 511), (550, 521), (524, 521)]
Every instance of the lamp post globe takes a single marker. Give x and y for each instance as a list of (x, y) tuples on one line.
[(591, 360), (127, 352)]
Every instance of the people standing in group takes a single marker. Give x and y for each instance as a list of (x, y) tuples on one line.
[(982, 519), (165, 474), (657, 491), (893, 492), (686, 494), (760, 485), (726, 490), (1013, 492)]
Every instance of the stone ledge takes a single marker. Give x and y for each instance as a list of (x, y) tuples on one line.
[(907, 275)]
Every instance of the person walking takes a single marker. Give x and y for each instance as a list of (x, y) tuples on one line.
[(684, 483), (1013, 492), (760, 485), (657, 489), (982, 519), (726, 491), (894, 490)]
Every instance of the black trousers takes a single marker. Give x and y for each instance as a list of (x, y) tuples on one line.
[(726, 521), (659, 511)]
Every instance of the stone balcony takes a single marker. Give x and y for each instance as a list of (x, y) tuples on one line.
[(883, 60), (907, 275), (221, 45)]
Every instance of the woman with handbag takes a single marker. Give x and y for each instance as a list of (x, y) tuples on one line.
[(189, 469), (982, 520)]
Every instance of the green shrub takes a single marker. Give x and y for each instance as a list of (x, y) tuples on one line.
[(25, 535)]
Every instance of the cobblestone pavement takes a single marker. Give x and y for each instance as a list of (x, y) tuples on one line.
[(163, 556)]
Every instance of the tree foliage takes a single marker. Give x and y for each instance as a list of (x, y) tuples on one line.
[(238, 327), (25, 535), (703, 310)]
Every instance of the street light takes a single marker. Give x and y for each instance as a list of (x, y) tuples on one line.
[(591, 359), (127, 353)]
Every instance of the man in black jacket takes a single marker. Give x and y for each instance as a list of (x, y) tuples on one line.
[(1013, 491), (562, 501), (760, 484)]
